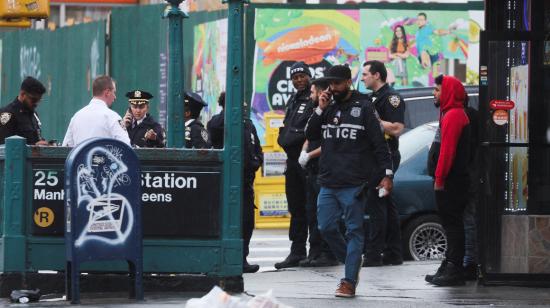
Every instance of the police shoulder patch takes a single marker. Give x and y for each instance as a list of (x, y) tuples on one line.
[(394, 100), (5, 117)]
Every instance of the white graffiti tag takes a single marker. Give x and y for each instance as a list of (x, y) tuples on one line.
[(29, 62), (96, 178)]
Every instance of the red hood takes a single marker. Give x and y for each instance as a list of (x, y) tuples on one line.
[(452, 94)]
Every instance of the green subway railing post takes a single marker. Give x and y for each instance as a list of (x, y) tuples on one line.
[(232, 167), (13, 252), (175, 122)]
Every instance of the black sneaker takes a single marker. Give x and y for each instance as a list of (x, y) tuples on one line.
[(440, 270), (453, 275), (393, 260), (323, 260), (250, 268), (305, 262), (470, 272), (290, 261)]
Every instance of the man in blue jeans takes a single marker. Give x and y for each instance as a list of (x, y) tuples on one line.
[(354, 157)]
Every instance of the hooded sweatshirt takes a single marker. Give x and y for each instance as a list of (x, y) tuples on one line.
[(454, 154)]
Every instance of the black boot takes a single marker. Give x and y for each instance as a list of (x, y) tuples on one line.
[(440, 270), (325, 259), (372, 261), (291, 261), (250, 268), (453, 275)]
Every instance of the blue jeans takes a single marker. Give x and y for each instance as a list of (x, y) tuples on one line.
[(331, 204)]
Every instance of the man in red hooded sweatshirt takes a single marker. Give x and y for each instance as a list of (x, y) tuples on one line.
[(451, 176)]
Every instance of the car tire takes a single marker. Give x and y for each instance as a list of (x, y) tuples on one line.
[(424, 239)]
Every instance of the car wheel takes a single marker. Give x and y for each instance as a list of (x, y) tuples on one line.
[(425, 239)]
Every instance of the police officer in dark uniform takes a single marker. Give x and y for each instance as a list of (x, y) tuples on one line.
[(143, 130), (215, 125), (354, 157), (196, 136), (253, 160), (384, 242), (20, 118), (291, 139)]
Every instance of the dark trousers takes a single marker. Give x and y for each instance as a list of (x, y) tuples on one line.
[(295, 188), (384, 227), (247, 210), (451, 203), (316, 243)]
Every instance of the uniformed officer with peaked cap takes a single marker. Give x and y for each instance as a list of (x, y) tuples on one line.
[(196, 136), (143, 130)]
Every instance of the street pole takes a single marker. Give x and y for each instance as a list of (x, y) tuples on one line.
[(232, 154), (175, 126)]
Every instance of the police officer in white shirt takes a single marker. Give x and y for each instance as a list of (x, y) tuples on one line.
[(97, 119)]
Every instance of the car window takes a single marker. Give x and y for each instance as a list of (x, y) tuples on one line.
[(413, 141)]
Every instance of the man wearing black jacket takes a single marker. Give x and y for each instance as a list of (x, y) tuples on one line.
[(291, 139), (354, 158)]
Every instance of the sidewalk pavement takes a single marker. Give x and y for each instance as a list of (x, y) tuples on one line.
[(393, 286)]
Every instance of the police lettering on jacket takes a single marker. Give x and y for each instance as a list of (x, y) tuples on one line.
[(354, 151)]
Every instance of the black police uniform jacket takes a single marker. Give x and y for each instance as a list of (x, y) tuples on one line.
[(291, 135), (391, 108), (17, 119), (215, 129), (196, 136), (137, 134), (354, 151)]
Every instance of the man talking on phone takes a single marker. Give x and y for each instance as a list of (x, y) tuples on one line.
[(354, 157), (143, 130)]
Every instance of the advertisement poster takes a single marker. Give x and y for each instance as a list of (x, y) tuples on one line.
[(210, 64), (320, 38), (519, 133), (417, 46)]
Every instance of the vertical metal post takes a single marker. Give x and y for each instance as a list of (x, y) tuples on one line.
[(13, 251), (175, 126), (232, 154)]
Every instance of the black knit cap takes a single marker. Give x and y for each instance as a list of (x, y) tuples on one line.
[(299, 67)]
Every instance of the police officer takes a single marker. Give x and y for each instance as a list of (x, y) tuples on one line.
[(142, 129), (253, 160), (354, 157), (19, 117), (97, 119), (319, 251), (291, 139), (196, 136), (384, 242)]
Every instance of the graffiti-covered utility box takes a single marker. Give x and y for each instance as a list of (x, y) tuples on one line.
[(103, 211), (269, 187)]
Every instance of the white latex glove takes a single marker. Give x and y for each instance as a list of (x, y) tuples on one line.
[(303, 159)]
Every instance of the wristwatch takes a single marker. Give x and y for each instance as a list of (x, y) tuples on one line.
[(389, 174)]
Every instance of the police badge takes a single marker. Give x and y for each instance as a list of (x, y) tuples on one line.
[(5, 118), (355, 112), (395, 101), (204, 135)]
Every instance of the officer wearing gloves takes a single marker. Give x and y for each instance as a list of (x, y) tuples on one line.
[(291, 139), (143, 130), (319, 251), (383, 246), (196, 136), (354, 157)]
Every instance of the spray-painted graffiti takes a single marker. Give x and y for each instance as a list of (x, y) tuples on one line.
[(94, 59), (29, 62), (109, 211)]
